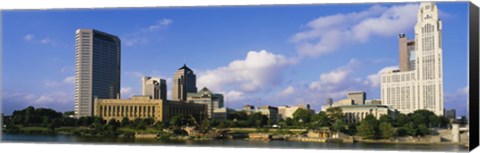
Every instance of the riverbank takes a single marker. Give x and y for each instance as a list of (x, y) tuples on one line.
[(234, 133), (228, 143)]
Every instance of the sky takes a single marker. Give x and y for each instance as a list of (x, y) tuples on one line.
[(258, 55)]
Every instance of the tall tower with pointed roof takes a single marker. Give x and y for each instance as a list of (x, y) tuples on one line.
[(421, 85), (184, 81)]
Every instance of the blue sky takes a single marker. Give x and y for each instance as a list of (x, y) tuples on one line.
[(275, 55)]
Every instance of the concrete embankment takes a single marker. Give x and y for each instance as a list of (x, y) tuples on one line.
[(145, 136)]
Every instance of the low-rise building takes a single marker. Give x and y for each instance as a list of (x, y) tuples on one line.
[(373, 102), (146, 107), (249, 109), (269, 111), (358, 97), (212, 100), (222, 113), (285, 111), (357, 112)]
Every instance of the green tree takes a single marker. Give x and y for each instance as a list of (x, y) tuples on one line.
[(335, 113), (423, 130), (181, 121), (444, 122), (257, 120), (401, 120), (320, 120), (289, 121), (434, 121), (410, 129), (124, 122), (205, 126), (386, 119), (338, 126), (301, 115), (29, 113), (68, 113), (114, 123), (239, 116), (387, 131), (368, 127)]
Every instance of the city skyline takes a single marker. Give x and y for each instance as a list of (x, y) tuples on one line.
[(298, 65)]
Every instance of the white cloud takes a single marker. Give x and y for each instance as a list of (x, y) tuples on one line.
[(67, 69), (233, 96), (160, 24), (335, 78), (374, 79), (331, 84), (126, 92), (33, 39), (329, 33), (45, 41), (59, 97), (28, 37), (143, 35), (287, 91), (259, 70), (69, 80)]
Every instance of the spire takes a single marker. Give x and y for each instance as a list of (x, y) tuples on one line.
[(185, 67)]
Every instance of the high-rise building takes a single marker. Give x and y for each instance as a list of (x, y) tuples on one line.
[(421, 85), (358, 97), (406, 50), (184, 81), (97, 71), (156, 88)]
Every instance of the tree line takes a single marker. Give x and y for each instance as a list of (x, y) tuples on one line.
[(418, 123)]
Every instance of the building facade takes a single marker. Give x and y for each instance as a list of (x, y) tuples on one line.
[(451, 114), (358, 97), (285, 112), (421, 85), (154, 87), (212, 100), (146, 107), (184, 81), (248, 109), (269, 111), (355, 113), (97, 69)]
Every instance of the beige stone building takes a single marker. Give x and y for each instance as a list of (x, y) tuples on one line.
[(269, 111), (285, 112), (358, 97), (357, 112), (154, 87), (418, 84), (146, 107), (248, 109)]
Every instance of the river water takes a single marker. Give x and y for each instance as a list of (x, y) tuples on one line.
[(227, 143)]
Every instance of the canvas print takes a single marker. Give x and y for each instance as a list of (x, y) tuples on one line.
[(366, 76)]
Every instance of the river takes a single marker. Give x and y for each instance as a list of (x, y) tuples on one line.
[(24, 138)]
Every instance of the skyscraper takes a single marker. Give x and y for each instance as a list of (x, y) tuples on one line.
[(156, 88), (421, 85), (406, 50), (97, 71), (184, 81)]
